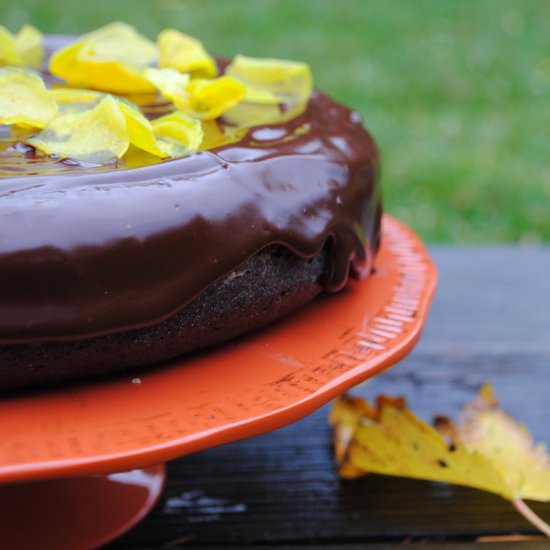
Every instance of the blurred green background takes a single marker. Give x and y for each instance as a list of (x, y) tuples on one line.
[(456, 92)]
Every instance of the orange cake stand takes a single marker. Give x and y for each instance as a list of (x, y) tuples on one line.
[(67, 441)]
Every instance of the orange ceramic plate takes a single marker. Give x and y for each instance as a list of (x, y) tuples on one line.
[(251, 386)]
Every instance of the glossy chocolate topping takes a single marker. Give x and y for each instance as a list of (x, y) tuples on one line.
[(85, 252)]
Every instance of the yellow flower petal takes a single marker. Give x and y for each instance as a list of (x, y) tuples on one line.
[(247, 114), (23, 49), (29, 48), (122, 42), (75, 95), (178, 134), (113, 76), (96, 135), (140, 130), (208, 99), (276, 90), (8, 52), (111, 59), (217, 135), (205, 99), (272, 80), (170, 83), (185, 53), (137, 158), (64, 64), (75, 100), (24, 99)]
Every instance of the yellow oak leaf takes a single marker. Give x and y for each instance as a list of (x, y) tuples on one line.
[(488, 430), (185, 54), (488, 450)]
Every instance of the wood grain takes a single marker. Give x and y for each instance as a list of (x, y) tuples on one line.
[(490, 322)]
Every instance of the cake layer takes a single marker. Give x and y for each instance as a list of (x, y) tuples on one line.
[(87, 252), (266, 287)]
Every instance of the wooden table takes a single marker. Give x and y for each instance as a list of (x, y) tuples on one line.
[(490, 322)]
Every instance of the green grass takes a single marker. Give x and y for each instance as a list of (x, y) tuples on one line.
[(457, 92)]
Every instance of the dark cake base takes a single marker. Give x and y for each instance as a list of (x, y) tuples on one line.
[(265, 288)]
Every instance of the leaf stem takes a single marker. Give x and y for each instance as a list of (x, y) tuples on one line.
[(531, 517)]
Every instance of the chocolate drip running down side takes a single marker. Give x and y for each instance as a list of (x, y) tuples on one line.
[(88, 253)]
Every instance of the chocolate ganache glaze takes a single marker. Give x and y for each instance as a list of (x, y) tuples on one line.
[(86, 252)]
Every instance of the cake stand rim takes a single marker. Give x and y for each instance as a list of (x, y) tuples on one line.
[(152, 454)]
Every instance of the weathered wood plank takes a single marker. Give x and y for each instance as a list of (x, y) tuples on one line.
[(422, 545), (281, 488), (490, 300)]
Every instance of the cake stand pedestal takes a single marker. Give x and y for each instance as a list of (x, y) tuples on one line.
[(59, 447), (73, 513)]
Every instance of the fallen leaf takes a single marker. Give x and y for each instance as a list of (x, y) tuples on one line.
[(487, 449)]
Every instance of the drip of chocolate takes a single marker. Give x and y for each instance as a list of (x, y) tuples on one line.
[(86, 252)]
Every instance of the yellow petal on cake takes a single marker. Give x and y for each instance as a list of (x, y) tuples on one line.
[(178, 134), (272, 80), (171, 84), (24, 100), (75, 100), (185, 54), (97, 135), (247, 114), (111, 59), (8, 52), (29, 47), (217, 135), (205, 99), (137, 158), (122, 42), (113, 76), (208, 99), (276, 90), (65, 65), (23, 49), (140, 130), (75, 95)]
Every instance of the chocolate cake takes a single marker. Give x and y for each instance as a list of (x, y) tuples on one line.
[(108, 268)]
